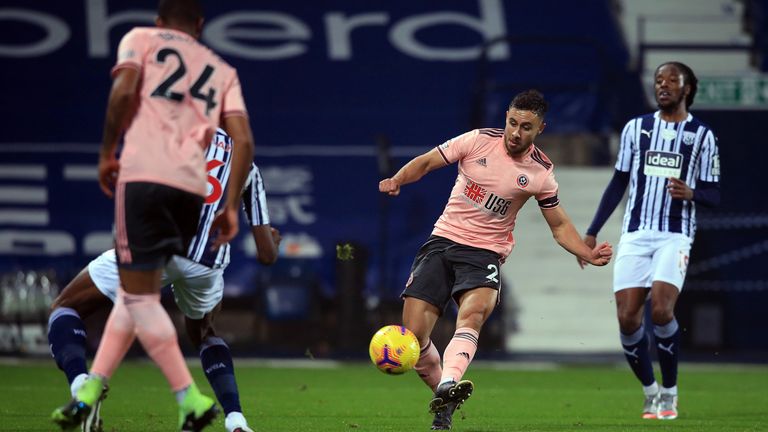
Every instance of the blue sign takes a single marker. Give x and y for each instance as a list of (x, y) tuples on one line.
[(340, 93)]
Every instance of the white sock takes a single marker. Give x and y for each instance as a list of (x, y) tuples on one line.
[(671, 390), (180, 395), (77, 383), (651, 390), (445, 380)]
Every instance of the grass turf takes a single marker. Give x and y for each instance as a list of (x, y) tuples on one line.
[(355, 397)]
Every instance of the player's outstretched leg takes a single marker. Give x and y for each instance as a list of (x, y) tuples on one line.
[(448, 398), (220, 371), (78, 410)]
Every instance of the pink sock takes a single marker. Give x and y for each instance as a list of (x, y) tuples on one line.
[(118, 337), (428, 366), (459, 353), (158, 337)]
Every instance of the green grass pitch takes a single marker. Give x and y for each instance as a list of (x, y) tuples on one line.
[(356, 397)]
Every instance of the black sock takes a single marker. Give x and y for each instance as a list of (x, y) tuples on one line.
[(66, 336), (218, 367), (667, 345), (639, 359)]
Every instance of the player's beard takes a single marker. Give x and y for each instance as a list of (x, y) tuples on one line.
[(518, 149), (671, 105)]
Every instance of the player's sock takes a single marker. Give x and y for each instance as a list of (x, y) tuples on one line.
[(119, 334), (459, 353), (636, 351), (667, 342), (66, 337), (428, 367), (157, 335), (220, 371), (651, 390)]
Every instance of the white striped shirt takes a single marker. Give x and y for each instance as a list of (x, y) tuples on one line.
[(219, 164), (651, 151)]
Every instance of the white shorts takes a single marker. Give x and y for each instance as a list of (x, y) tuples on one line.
[(648, 256), (197, 289)]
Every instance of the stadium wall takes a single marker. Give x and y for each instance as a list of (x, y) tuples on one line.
[(341, 93)]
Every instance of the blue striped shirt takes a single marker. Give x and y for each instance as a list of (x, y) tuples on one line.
[(652, 150), (219, 164)]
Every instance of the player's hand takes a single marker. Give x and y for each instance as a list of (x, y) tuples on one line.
[(590, 241), (389, 186), (109, 167), (224, 227), (601, 254), (679, 190), (276, 237)]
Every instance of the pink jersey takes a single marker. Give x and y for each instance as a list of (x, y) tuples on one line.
[(490, 189), (185, 90)]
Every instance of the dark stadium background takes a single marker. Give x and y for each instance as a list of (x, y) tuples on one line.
[(333, 111)]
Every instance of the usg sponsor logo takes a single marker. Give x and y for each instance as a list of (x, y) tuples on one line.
[(663, 164)]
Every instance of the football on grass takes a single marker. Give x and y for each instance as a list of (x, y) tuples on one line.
[(394, 349)]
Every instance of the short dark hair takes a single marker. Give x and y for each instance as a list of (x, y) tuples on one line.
[(530, 100), (689, 79), (180, 11)]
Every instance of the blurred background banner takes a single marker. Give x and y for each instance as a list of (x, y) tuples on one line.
[(341, 93)]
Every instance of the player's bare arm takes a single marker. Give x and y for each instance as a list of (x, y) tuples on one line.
[(590, 241), (267, 243), (411, 172), (120, 108), (225, 225), (566, 236), (678, 189)]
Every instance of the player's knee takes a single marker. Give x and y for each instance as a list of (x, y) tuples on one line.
[(63, 302), (629, 321), (661, 315), (199, 331)]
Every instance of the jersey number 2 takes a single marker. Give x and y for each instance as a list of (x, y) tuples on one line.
[(164, 89), (494, 272)]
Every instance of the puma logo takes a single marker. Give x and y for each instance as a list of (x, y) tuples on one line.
[(216, 366), (647, 133), (667, 349), (632, 353)]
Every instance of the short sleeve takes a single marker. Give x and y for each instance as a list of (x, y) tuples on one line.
[(458, 147), (255, 199), (130, 52), (234, 104), (709, 159), (547, 195), (624, 158)]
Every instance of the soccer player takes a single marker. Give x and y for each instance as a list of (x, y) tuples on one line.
[(168, 96), (499, 170), (670, 160), (198, 286)]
